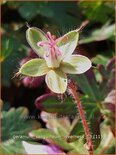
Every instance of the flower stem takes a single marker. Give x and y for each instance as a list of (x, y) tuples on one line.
[(72, 90)]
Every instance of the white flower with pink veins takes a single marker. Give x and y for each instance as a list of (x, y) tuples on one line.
[(56, 58)]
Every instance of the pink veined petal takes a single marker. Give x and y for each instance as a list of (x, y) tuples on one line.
[(34, 68), (56, 81), (68, 43), (33, 36), (75, 64)]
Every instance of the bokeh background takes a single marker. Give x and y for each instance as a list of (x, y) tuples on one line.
[(96, 42)]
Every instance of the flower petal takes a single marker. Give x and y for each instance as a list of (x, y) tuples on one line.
[(34, 68), (40, 149), (34, 35), (68, 43), (75, 64), (56, 81), (68, 68)]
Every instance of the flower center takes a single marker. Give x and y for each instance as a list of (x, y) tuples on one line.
[(52, 54)]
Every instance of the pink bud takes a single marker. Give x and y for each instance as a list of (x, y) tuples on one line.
[(23, 61), (32, 82)]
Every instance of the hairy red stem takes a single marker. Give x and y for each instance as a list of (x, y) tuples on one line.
[(72, 90)]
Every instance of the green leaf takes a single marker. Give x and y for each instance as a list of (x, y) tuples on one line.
[(35, 67), (34, 35), (77, 129), (46, 13), (12, 4), (51, 137), (15, 128), (78, 147), (22, 126), (7, 47), (102, 10), (108, 77), (10, 55), (104, 33), (11, 147), (61, 123), (88, 85), (110, 150), (92, 115), (29, 10), (53, 105), (69, 16), (94, 120), (76, 132), (100, 59), (59, 140)]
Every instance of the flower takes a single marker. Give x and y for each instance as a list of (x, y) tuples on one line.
[(41, 149), (56, 58)]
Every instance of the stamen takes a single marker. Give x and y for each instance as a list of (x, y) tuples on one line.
[(43, 43), (47, 54), (51, 38), (49, 35), (52, 54), (40, 44)]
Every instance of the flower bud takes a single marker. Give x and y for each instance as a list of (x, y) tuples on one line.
[(32, 82)]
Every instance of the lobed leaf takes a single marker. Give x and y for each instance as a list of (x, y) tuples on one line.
[(88, 85), (15, 128), (53, 105), (50, 137)]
